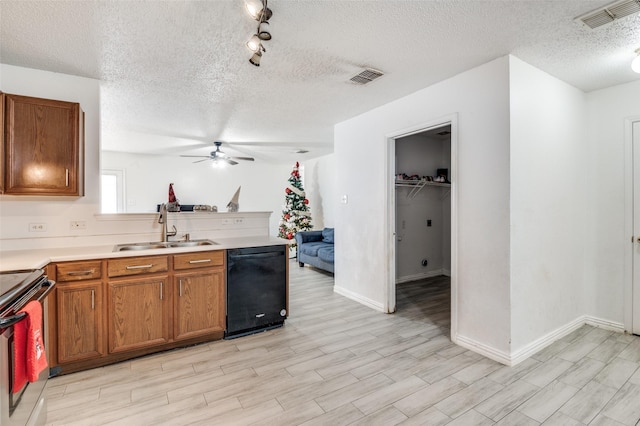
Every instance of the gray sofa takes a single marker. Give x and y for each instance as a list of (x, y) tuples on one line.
[(316, 248)]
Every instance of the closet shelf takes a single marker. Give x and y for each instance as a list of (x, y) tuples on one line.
[(417, 185)]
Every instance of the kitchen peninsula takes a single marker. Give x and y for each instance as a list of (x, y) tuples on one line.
[(112, 305)]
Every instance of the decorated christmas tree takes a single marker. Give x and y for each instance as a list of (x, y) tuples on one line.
[(295, 214)]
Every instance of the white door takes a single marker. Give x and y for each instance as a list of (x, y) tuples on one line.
[(636, 228)]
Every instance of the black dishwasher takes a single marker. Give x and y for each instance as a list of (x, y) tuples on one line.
[(256, 289)]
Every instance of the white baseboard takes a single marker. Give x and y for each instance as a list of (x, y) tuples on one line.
[(358, 298), (418, 277), (606, 324), (538, 344), (482, 349), (544, 341)]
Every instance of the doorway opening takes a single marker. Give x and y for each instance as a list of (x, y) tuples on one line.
[(422, 226)]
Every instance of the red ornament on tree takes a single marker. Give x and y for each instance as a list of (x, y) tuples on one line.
[(306, 201), (288, 191), (289, 236), (287, 216)]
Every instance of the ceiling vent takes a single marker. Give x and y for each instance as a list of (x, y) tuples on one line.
[(610, 13), (366, 76), (300, 151)]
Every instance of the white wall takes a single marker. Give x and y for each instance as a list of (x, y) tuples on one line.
[(422, 155), (549, 157), (148, 176), (480, 98), (607, 240), (321, 187), (262, 186)]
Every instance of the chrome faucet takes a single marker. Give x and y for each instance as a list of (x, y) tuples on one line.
[(162, 219)]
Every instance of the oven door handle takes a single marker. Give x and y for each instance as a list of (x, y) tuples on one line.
[(9, 321), (42, 293)]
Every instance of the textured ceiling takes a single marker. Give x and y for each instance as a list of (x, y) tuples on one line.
[(176, 74)]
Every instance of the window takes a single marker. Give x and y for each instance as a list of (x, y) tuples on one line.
[(112, 189)]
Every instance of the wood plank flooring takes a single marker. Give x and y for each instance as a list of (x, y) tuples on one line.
[(336, 362)]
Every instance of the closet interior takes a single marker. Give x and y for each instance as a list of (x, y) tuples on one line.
[(423, 205)]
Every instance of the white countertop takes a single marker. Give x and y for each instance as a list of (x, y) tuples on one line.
[(39, 258)]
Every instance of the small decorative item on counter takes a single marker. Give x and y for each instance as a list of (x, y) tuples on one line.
[(214, 209), (234, 204), (173, 205), (201, 208)]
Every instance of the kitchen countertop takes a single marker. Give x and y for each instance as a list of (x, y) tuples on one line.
[(38, 258)]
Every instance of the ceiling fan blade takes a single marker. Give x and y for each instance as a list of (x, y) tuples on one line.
[(196, 156), (242, 158), (230, 161), (200, 161)]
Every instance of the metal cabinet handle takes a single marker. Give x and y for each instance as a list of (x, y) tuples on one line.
[(140, 266), (180, 282), (80, 273), (93, 299), (200, 261), (161, 285), (66, 177)]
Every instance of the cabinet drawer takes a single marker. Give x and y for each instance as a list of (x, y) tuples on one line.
[(137, 265), (202, 259), (78, 271)]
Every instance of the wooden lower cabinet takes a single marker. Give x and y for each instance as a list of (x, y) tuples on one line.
[(138, 313), (199, 307), (80, 327), (110, 310)]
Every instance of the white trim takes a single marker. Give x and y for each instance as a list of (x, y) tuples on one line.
[(546, 340), (605, 324), (389, 198), (418, 277), (484, 350), (359, 298), (628, 222)]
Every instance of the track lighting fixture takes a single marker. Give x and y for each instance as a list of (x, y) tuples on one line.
[(254, 43), (255, 58), (259, 11), (635, 64)]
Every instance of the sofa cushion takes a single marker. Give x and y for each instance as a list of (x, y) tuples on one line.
[(311, 249), (327, 235), (326, 253)]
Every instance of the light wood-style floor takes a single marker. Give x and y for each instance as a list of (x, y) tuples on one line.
[(336, 362)]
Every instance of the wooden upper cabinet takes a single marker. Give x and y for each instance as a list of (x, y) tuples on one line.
[(43, 146)]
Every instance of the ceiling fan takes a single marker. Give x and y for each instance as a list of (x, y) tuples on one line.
[(218, 155)]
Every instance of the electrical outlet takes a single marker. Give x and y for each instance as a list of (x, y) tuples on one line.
[(428, 222), (78, 224), (37, 227)]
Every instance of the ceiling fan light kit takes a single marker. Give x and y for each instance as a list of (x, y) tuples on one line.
[(259, 11), (219, 158)]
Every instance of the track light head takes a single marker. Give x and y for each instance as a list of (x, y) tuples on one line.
[(258, 11), (254, 43), (263, 31), (255, 58)]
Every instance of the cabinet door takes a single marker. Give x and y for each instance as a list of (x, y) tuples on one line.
[(199, 303), (79, 321), (42, 146), (138, 313)]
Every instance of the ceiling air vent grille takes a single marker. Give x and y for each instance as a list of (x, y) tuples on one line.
[(610, 13), (366, 76)]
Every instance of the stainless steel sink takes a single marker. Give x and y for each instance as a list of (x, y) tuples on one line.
[(161, 245)]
